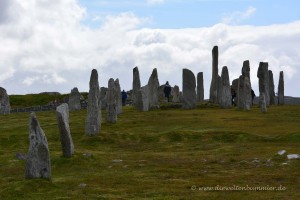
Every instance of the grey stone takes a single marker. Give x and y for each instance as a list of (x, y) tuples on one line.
[(142, 103), (136, 84), (62, 116), (153, 85), (235, 89), (118, 96), (74, 99), (4, 102), (219, 93), (263, 77), (93, 119), (200, 87), (175, 94), (38, 158), (103, 101), (188, 89), (111, 115), (246, 69), (271, 88), (244, 93), (262, 103), (281, 89), (225, 101), (213, 96)]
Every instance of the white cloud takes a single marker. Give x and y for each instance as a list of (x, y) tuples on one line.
[(46, 48), (238, 16), (155, 2)]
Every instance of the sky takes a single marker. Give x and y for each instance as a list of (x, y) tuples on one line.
[(52, 45)]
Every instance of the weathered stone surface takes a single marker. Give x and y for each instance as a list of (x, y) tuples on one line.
[(188, 89), (142, 103), (118, 96), (111, 115), (271, 88), (219, 93), (262, 103), (74, 99), (235, 90), (62, 116), (38, 157), (281, 89), (244, 93), (103, 101), (246, 69), (93, 119), (213, 96), (4, 102), (136, 84), (200, 87), (175, 94), (225, 101), (263, 77), (153, 85)]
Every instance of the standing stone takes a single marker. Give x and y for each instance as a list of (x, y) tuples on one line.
[(246, 69), (225, 101), (263, 77), (111, 115), (281, 89), (74, 99), (136, 84), (62, 116), (118, 96), (93, 119), (153, 85), (235, 90), (38, 157), (188, 89), (200, 87), (262, 103), (142, 103), (244, 93), (4, 102), (219, 93), (103, 101), (271, 88), (213, 96), (175, 94)]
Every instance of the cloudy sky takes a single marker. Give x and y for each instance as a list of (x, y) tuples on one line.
[(52, 45)]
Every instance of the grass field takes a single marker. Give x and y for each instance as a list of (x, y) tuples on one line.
[(162, 154)]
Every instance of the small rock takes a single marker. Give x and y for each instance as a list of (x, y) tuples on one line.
[(87, 154), (293, 156), (281, 152), (284, 163), (82, 185), (117, 161)]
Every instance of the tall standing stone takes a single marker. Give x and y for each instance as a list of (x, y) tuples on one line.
[(153, 85), (136, 84), (38, 157), (263, 77), (219, 93), (262, 103), (281, 89), (62, 116), (118, 96), (74, 99), (175, 94), (4, 102), (200, 87), (188, 89), (142, 102), (103, 101), (244, 93), (246, 69), (111, 115), (93, 118), (225, 101), (213, 96), (271, 88), (235, 90)]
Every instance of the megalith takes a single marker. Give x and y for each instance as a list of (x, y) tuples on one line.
[(175, 94), (271, 88), (4, 102), (225, 99), (263, 80), (62, 116), (200, 87), (188, 89), (136, 84), (244, 93), (213, 96), (103, 102), (93, 118), (153, 85), (74, 99), (111, 115), (262, 103), (118, 96), (38, 158), (281, 89), (142, 103)]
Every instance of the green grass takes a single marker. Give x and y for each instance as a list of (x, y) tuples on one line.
[(164, 153)]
